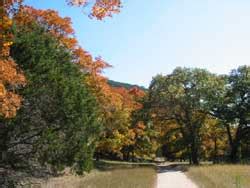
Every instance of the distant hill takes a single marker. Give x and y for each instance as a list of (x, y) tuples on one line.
[(125, 85)]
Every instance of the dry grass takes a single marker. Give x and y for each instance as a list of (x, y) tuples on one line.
[(220, 176), (123, 178), (109, 176)]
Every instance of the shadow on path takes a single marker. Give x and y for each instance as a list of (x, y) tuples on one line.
[(162, 168)]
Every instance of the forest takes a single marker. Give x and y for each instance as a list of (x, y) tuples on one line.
[(58, 110)]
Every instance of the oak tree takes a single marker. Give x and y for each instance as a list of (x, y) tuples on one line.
[(184, 96)]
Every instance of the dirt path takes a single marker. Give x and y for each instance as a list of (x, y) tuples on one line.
[(170, 176)]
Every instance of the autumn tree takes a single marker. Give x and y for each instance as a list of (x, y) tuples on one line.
[(169, 140), (184, 97), (146, 141), (214, 140), (118, 135)]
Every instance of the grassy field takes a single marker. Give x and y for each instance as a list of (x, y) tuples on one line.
[(112, 174), (140, 177), (109, 175), (220, 176)]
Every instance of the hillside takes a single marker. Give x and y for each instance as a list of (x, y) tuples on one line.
[(125, 85)]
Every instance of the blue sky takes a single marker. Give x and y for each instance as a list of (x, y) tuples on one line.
[(154, 36)]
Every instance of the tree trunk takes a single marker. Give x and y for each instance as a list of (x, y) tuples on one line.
[(189, 155), (215, 160), (194, 154), (229, 135), (3, 144), (194, 143), (234, 157), (97, 156), (234, 144)]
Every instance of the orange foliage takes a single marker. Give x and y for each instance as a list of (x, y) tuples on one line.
[(130, 97), (118, 105), (101, 8), (139, 128), (10, 76)]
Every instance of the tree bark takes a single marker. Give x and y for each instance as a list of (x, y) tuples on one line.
[(194, 144), (194, 153), (234, 144), (215, 160), (229, 135), (3, 144)]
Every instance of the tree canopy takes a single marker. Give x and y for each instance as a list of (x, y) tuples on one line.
[(185, 97)]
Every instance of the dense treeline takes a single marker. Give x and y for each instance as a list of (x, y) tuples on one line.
[(68, 110), (57, 110), (200, 115)]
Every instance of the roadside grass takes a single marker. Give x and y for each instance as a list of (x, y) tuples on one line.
[(109, 175), (138, 177), (220, 176)]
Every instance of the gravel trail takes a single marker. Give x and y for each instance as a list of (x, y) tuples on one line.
[(170, 176)]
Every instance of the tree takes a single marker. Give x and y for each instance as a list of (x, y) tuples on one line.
[(11, 77), (58, 123), (234, 109), (62, 30), (185, 97), (115, 103), (214, 140), (118, 135)]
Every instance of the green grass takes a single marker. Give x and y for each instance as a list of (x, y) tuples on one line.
[(220, 176)]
